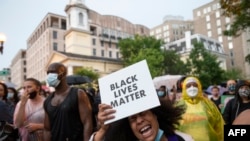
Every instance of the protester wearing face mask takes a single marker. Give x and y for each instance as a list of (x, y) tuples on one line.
[(12, 96), (239, 103), (12, 99), (163, 93), (231, 84), (29, 113), (58, 124), (202, 119)]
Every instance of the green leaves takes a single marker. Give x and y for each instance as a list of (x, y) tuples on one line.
[(205, 66), (140, 48), (239, 11)]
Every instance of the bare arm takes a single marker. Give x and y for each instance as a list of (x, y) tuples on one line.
[(31, 127), (19, 114), (46, 128), (85, 114), (105, 113)]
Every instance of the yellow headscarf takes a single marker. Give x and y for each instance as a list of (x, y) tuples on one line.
[(202, 119), (185, 96)]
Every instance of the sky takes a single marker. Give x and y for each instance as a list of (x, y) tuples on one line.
[(19, 18)]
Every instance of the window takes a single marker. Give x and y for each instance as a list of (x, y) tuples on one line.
[(198, 13), (93, 41), (218, 5), (214, 7), (207, 18), (227, 19), (209, 9), (229, 38), (117, 55), (230, 45), (165, 27), (232, 62), (158, 30), (94, 51), (217, 14), (102, 53), (102, 43), (218, 23), (54, 46), (204, 10), (231, 53), (142, 30), (54, 34), (220, 39), (110, 54), (110, 45), (209, 34), (219, 31), (24, 62), (80, 16), (167, 33), (208, 26)]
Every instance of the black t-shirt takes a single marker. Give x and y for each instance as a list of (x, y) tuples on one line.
[(216, 102)]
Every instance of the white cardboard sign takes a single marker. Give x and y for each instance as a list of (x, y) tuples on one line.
[(129, 91)]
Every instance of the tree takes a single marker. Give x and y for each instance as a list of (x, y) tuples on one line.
[(233, 74), (239, 9), (140, 48), (247, 58), (89, 73), (173, 64), (205, 66)]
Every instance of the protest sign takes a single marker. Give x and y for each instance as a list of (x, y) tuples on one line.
[(129, 90)]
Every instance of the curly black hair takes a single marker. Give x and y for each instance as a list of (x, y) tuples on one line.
[(168, 116), (5, 91)]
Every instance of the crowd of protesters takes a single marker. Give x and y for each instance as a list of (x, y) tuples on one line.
[(69, 113)]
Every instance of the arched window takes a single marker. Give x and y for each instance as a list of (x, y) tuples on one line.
[(80, 17)]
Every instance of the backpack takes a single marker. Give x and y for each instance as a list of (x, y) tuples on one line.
[(94, 107)]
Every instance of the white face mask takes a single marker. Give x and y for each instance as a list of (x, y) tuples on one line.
[(52, 80), (192, 91)]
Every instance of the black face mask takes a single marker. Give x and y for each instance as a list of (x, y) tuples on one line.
[(33, 95)]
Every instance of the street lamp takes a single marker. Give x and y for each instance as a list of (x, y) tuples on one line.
[(2, 40)]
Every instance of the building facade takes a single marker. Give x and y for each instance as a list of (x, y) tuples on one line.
[(82, 35), (173, 28), (46, 38), (184, 46), (209, 21), (18, 68)]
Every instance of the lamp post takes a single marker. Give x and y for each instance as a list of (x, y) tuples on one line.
[(2, 40)]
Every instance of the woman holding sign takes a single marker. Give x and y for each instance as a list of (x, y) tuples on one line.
[(157, 124)]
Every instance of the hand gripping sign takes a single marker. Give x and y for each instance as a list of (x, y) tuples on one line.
[(129, 90)]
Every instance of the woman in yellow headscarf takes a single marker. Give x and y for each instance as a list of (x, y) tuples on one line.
[(202, 119)]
